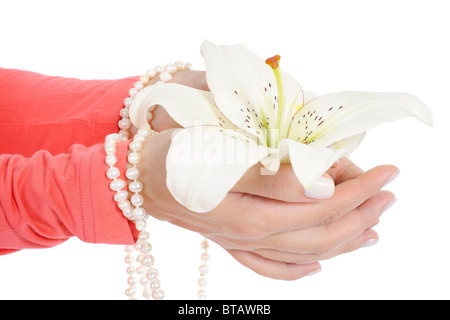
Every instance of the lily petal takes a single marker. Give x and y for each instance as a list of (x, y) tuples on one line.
[(308, 163), (349, 144), (187, 106), (204, 163), (294, 101), (334, 117), (244, 87)]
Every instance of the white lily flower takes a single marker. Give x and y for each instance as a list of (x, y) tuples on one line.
[(256, 113)]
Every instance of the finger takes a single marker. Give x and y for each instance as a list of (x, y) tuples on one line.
[(352, 193), (348, 196), (323, 238), (191, 78), (327, 237), (345, 170), (341, 231), (368, 236), (260, 217), (161, 120), (274, 269), (282, 186)]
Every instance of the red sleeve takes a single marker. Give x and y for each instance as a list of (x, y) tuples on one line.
[(52, 171), (45, 199), (40, 112)]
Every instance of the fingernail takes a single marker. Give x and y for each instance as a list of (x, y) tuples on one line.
[(369, 243), (313, 273), (392, 178), (389, 204), (323, 188)]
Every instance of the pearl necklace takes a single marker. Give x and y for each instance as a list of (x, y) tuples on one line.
[(132, 207)]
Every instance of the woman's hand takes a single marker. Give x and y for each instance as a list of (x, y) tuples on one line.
[(266, 223)]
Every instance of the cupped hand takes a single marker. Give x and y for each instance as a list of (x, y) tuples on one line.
[(266, 222)]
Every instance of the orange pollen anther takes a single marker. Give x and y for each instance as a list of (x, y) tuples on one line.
[(273, 62)]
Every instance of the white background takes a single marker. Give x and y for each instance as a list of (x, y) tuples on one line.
[(328, 46)]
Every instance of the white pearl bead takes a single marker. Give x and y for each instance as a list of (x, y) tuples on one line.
[(124, 205), (125, 123), (141, 256), (148, 261), (110, 149), (151, 73), (179, 65), (144, 79), (128, 213), (112, 138), (141, 270), (132, 92), (188, 66), (110, 144), (205, 257), (120, 195), (135, 186), (132, 173), (134, 158), (138, 86), (130, 270), (144, 281), (127, 102), (139, 213), (132, 281), (202, 282), (129, 259), (129, 249), (137, 200), (135, 146), (113, 173), (131, 291), (111, 160), (146, 248), (141, 225), (158, 295), (139, 138), (144, 236), (117, 185), (170, 68), (124, 134), (158, 69), (144, 132), (205, 245), (165, 76), (155, 284), (152, 274), (124, 113), (202, 294), (147, 293), (203, 269)]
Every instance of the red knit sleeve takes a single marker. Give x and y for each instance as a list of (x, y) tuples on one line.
[(45, 199), (52, 170), (40, 112)]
